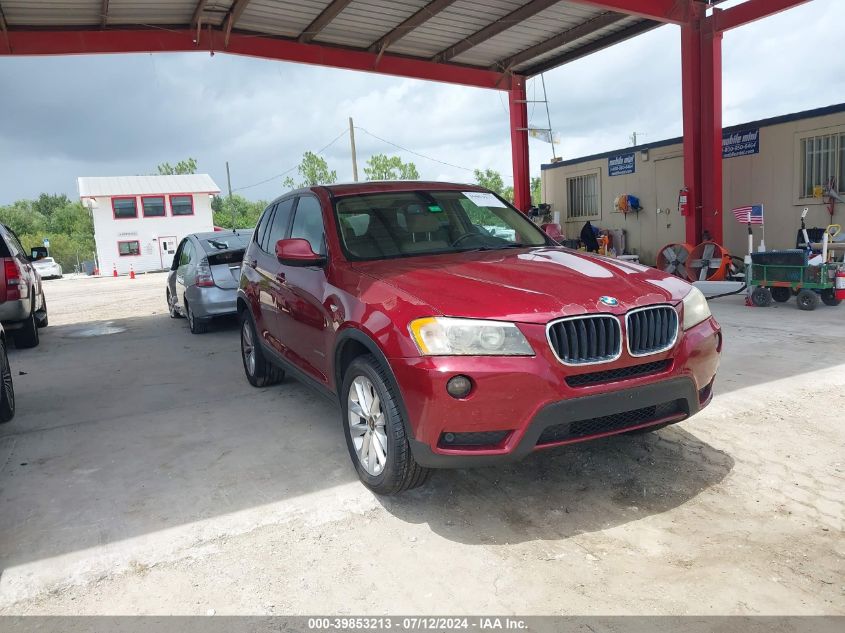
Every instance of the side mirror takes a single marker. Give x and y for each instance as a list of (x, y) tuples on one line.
[(297, 252)]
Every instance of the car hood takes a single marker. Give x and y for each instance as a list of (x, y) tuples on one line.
[(531, 285)]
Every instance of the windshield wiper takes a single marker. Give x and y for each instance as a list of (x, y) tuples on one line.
[(490, 248)]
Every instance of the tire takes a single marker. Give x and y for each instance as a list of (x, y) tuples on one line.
[(829, 297), (781, 294), (761, 297), (7, 388), (195, 323), (807, 300), (45, 320), (27, 336), (394, 470), (171, 307), (259, 371)]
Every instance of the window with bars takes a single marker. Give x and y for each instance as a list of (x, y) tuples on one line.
[(822, 161), (582, 196)]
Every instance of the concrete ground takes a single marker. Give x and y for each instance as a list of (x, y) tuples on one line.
[(143, 475)]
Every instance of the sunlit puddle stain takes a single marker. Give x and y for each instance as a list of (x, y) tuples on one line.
[(96, 330)]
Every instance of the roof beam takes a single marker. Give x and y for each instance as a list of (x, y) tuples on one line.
[(668, 11), (97, 41), (235, 13), (323, 20), (104, 13), (197, 17), (587, 49), (420, 17), (561, 39), (749, 11), (502, 24)]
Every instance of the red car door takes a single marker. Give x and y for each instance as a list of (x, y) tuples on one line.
[(269, 293), (305, 322)]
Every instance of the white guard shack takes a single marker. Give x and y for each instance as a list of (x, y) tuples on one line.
[(140, 220)]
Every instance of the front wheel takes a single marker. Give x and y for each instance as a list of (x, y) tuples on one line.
[(761, 297), (7, 389), (375, 430)]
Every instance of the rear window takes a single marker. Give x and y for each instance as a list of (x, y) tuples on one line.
[(225, 243), (45, 260)]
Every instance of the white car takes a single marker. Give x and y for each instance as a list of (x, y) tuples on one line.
[(48, 268)]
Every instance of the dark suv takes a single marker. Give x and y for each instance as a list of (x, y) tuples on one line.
[(23, 308), (456, 333)]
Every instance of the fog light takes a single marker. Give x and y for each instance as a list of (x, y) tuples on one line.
[(459, 386), (449, 437)]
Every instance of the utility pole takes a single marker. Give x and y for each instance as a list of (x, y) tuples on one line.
[(229, 182), (354, 156)]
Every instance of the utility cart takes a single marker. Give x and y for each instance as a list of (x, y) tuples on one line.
[(778, 275)]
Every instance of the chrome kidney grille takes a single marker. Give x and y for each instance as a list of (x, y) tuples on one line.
[(585, 340), (651, 330), (593, 339)]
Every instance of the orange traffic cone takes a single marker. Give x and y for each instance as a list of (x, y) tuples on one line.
[(114, 270), (131, 272)]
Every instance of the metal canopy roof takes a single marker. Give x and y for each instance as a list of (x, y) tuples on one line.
[(502, 36)]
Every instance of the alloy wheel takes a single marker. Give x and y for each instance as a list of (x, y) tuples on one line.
[(248, 348), (367, 425), (8, 389)]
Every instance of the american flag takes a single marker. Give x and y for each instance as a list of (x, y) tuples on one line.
[(749, 215)]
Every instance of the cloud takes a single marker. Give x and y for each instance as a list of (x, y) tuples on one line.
[(63, 117)]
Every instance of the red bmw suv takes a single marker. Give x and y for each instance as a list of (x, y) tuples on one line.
[(455, 333)]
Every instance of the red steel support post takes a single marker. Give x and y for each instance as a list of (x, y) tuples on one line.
[(519, 144), (691, 98), (711, 134)]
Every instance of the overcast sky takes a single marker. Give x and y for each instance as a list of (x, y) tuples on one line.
[(63, 117)]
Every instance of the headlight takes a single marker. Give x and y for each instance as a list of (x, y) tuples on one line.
[(443, 336), (695, 308)]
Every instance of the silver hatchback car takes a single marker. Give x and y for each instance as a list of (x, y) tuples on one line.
[(203, 280)]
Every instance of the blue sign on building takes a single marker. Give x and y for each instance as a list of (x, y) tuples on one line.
[(740, 143), (621, 165)]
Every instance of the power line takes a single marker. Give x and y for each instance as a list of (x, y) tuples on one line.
[(410, 151), (287, 171)]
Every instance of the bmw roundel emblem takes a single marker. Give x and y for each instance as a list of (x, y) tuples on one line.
[(609, 301)]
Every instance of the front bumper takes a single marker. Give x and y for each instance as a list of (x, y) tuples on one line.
[(529, 403)]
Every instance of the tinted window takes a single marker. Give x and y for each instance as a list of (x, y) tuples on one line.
[(124, 207), (279, 225), (261, 228), (130, 248), (224, 243), (153, 207), (308, 223), (182, 205), (186, 253)]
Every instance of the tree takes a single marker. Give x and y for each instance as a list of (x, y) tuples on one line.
[(313, 170), (243, 212), (183, 167), (382, 167), (536, 191), (492, 180)]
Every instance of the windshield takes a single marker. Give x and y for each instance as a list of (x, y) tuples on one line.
[(403, 224)]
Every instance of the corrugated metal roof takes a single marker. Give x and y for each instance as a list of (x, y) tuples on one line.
[(142, 185), (354, 24)]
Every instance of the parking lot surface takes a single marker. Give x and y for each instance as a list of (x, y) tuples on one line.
[(143, 475)]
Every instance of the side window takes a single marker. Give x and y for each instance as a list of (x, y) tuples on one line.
[(308, 224), (261, 230), (279, 225), (186, 254)]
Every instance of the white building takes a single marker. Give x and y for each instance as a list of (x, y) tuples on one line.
[(140, 220)]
